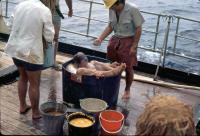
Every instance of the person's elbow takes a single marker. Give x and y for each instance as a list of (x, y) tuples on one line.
[(139, 28), (109, 27)]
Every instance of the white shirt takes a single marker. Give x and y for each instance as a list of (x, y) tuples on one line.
[(31, 20)]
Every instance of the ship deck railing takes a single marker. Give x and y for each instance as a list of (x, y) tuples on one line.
[(163, 49)]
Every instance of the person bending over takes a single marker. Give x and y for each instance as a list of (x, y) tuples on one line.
[(96, 68)]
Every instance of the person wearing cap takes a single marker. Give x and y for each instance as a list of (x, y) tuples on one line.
[(126, 21), (30, 22)]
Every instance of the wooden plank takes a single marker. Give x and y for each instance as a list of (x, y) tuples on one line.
[(8, 70), (12, 129), (24, 122), (7, 130), (2, 46), (62, 58), (160, 83), (11, 118), (140, 94)]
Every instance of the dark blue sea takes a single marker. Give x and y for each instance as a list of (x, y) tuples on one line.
[(183, 8)]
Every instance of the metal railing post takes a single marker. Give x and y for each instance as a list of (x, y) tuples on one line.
[(6, 8), (89, 18), (176, 34), (156, 34), (166, 40), (164, 48)]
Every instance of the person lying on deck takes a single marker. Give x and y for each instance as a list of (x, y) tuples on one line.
[(166, 116), (96, 68)]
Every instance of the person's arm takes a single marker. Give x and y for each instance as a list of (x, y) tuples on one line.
[(101, 65), (108, 30), (138, 20), (48, 28), (85, 71), (69, 5), (137, 36)]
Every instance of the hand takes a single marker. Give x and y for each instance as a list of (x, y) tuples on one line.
[(97, 42), (99, 74), (45, 44), (70, 13), (133, 49)]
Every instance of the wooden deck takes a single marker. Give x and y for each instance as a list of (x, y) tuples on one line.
[(12, 123), (6, 63)]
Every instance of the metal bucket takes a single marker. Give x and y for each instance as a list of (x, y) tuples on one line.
[(53, 114), (93, 105), (49, 56)]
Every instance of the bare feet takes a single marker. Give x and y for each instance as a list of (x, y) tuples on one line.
[(36, 115), (126, 95), (123, 66), (25, 109), (118, 70), (36, 118), (114, 64)]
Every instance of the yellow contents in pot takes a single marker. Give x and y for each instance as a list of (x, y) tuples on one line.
[(81, 122)]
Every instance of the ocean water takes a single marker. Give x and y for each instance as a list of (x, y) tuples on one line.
[(184, 8)]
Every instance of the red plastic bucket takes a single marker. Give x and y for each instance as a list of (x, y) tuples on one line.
[(111, 121)]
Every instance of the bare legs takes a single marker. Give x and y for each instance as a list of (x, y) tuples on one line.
[(114, 71), (56, 36), (22, 89), (129, 80), (34, 79), (34, 94), (105, 66)]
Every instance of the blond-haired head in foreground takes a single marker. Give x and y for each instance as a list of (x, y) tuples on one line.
[(166, 116)]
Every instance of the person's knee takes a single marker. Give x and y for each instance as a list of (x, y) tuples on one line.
[(34, 78), (23, 78), (22, 74)]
